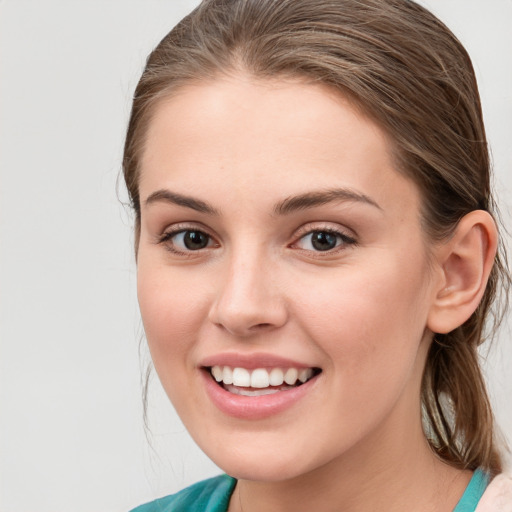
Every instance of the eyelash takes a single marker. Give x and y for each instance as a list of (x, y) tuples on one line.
[(343, 240), (166, 239)]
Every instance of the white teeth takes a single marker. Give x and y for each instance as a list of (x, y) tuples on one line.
[(276, 377), (227, 375), (251, 392), (241, 377), (260, 378), (290, 377), (305, 374), (217, 373)]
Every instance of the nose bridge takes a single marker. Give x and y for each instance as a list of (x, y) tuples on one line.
[(248, 298)]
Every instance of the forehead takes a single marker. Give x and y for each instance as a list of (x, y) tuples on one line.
[(254, 136)]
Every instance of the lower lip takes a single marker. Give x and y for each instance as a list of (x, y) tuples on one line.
[(254, 407)]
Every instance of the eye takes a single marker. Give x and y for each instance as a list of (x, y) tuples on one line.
[(187, 240), (323, 240)]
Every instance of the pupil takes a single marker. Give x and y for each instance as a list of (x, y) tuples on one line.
[(323, 240), (195, 240)]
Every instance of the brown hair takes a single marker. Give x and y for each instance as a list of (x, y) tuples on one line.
[(407, 71)]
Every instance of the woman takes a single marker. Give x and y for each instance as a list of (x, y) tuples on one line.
[(317, 255)]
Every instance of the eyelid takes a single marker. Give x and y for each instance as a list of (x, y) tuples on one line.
[(172, 229), (325, 226)]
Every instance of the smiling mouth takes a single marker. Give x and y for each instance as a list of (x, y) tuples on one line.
[(260, 381)]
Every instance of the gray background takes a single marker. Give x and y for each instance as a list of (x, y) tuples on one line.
[(71, 429)]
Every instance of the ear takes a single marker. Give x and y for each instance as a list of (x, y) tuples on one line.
[(465, 262)]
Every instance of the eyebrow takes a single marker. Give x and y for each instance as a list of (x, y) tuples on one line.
[(284, 207), (321, 197), (167, 196)]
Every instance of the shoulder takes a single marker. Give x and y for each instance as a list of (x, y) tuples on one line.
[(210, 495), (498, 495)]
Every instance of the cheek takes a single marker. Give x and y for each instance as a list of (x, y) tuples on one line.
[(369, 321), (172, 312)]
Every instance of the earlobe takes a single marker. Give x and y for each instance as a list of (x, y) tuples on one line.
[(465, 260)]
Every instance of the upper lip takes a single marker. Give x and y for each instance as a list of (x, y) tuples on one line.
[(252, 361)]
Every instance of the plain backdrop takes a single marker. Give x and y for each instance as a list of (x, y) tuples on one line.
[(71, 429)]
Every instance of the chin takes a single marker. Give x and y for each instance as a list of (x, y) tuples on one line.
[(261, 459), (267, 470)]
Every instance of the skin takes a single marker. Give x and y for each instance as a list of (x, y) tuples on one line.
[(361, 312)]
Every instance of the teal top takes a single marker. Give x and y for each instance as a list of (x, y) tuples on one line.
[(210, 495), (213, 495), (473, 492)]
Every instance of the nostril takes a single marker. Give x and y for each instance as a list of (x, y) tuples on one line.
[(260, 326)]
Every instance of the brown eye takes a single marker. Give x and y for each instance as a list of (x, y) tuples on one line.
[(194, 240), (324, 240), (187, 240)]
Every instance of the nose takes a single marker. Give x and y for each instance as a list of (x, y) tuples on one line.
[(248, 298)]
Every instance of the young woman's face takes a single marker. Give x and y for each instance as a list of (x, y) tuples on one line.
[(278, 241)]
